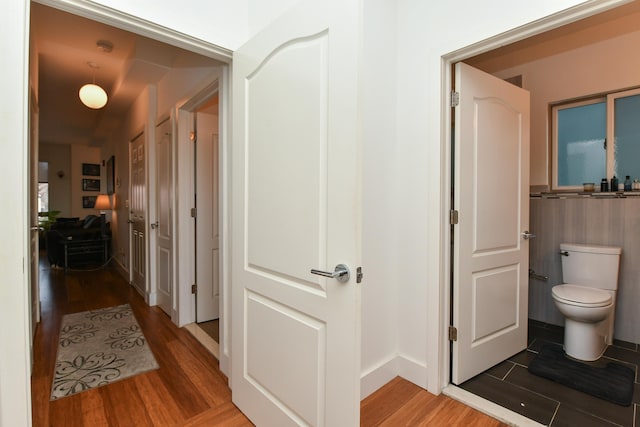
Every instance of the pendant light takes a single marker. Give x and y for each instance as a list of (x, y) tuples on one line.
[(92, 95)]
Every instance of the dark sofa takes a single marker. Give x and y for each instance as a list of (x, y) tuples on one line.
[(89, 228)]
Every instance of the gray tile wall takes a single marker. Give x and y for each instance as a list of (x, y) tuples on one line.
[(590, 220)]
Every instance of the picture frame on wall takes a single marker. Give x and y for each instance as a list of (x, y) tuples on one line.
[(90, 169), (90, 184), (88, 202)]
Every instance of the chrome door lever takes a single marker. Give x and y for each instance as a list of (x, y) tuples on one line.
[(526, 235), (341, 273)]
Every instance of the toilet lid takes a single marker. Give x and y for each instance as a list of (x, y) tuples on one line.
[(582, 295)]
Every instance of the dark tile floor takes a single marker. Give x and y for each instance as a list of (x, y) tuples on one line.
[(510, 385)]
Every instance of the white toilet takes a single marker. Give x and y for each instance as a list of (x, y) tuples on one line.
[(587, 298)]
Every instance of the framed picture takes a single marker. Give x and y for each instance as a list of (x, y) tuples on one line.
[(90, 169), (90, 184), (111, 174), (88, 202)]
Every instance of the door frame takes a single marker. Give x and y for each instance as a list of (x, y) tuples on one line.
[(185, 236), (186, 303), (438, 357)]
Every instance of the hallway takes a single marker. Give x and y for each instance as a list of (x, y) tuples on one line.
[(188, 389)]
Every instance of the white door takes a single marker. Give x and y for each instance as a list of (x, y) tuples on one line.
[(491, 253), (164, 225), (207, 229), (296, 207), (137, 214)]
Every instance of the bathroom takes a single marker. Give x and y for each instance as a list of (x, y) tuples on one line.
[(586, 59), (588, 220), (582, 60)]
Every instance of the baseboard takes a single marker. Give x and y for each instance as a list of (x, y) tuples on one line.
[(378, 376), (201, 336), (387, 370), (412, 370), (152, 298)]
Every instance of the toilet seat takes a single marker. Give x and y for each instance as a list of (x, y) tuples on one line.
[(581, 296)]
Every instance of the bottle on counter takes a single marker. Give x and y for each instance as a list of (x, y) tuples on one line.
[(627, 183), (635, 185), (614, 183), (604, 185)]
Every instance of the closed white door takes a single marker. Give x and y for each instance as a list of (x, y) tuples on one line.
[(207, 229), (163, 227), (491, 251), (296, 207), (137, 214)]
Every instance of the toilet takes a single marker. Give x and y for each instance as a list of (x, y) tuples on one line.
[(587, 298)]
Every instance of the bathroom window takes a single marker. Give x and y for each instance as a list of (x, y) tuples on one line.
[(596, 138)]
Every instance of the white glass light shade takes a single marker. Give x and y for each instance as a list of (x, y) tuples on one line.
[(93, 96)]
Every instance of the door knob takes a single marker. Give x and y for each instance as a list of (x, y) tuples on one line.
[(341, 273), (526, 235)]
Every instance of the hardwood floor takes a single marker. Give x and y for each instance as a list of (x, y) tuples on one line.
[(188, 389)]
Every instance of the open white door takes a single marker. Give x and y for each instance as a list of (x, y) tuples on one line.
[(207, 221), (491, 251), (296, 207), (164, 224)]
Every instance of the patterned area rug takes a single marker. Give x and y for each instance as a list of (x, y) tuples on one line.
[(97, 348)]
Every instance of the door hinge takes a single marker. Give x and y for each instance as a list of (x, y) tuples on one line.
[(194, 213), (453, 333), (453, 217), (359, 275), (455, 99), (194, 289)]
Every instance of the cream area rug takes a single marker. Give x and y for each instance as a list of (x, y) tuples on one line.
[(99, 347)]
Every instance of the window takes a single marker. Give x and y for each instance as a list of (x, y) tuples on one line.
[(596, 139)]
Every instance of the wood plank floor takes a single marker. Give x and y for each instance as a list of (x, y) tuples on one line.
[(188, 389)]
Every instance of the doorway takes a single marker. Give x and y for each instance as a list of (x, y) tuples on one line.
[(501, 63)]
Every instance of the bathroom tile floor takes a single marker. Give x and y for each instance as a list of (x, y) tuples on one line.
[(510, 385)]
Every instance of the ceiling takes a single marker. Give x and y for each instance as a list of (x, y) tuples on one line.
[(65, 43), (605, 25)]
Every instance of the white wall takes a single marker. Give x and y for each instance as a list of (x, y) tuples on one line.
[(380, 288), (426, 32), (605, 66), (221, 22)]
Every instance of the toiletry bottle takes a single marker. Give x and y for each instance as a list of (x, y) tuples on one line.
[(635, 186), (627, 183), (604, 185), (614, 183)]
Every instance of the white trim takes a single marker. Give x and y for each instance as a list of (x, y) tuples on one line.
[(398, 365), (378, 376), (185, 269), (203, 338), (134, 24), (496, 411), (438, 364)]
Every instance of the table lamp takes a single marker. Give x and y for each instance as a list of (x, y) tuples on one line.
[(103, 203)]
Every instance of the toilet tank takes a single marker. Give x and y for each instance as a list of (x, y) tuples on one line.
[(593, 266)]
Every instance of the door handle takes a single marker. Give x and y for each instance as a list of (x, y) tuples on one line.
[(341, 273), (154, 225), (526, 235)]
